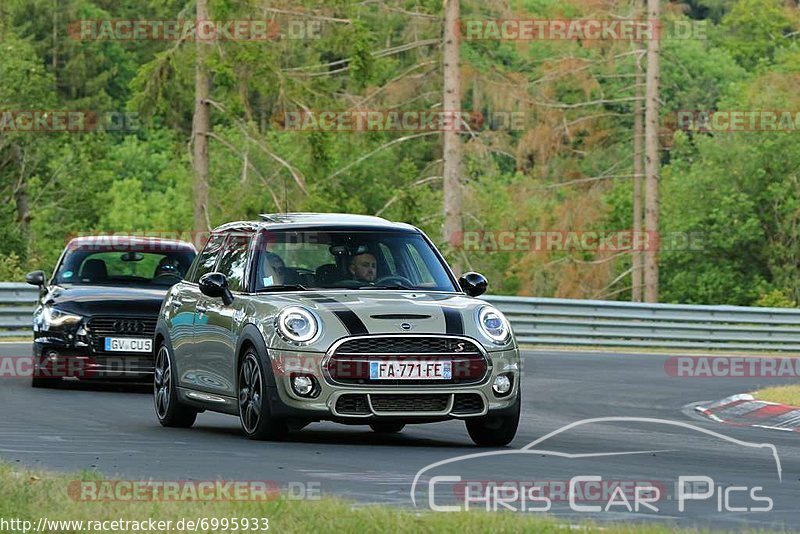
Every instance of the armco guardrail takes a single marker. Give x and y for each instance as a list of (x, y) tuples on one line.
[(16, 305), (626, 324), (599, 323)]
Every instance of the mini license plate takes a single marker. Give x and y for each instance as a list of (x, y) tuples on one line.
[(128, 344), (410, 370)]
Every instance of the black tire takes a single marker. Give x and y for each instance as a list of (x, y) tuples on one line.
[(494, 430), (254, 409), (169, 410), (387, 428), (37, 382)]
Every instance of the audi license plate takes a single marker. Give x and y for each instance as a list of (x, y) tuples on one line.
[(128, 344), (410, 370)]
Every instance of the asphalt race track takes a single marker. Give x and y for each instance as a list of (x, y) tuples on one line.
[(113, 430)]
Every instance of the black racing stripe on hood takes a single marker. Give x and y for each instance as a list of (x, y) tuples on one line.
[(349, 318), (453, 323)]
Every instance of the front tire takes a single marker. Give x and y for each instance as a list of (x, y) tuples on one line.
[(494, 430), (387, 428), (37, 382), (254, 411), (42, 378), (169, 410)]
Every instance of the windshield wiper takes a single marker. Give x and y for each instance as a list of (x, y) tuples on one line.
[(282, 287), (389, 286)]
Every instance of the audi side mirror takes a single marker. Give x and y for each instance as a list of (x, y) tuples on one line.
[(215, 285), (473, 284), (35, 278)]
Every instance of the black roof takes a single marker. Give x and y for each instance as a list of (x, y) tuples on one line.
[(279, 221)]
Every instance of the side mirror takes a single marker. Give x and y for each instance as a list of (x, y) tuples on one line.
[(473, 284), (215, 285), (35, 278)]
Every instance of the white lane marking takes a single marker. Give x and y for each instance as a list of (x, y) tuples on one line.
[(60, 451)]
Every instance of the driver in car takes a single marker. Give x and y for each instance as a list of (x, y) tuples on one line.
[(168, 267), (364, 267)]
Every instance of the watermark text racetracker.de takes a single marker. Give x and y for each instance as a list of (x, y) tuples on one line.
[(191, 490), (445, 485), (67, 121), (576, 240), (742, 120), (68, 365), (581, 29), (732, 367), (258, 30), (395, 120)]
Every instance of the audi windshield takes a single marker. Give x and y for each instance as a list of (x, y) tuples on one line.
[(119, 266)]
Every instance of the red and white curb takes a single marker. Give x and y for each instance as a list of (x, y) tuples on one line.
[(745, 410)]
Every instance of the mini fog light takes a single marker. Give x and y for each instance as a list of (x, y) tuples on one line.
[(52, 356), (303, 385), (502, 385)]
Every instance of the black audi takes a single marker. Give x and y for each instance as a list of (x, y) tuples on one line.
[(96, 316)]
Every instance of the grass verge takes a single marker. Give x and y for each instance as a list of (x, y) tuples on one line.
[(781, 394), (30, 495)]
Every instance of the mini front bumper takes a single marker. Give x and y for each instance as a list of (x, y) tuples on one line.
[(417, 403)]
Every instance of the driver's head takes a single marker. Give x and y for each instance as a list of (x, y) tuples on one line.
[(364, 267), (167, 266)]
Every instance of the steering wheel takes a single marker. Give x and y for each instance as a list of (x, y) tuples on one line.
[(396, 277), (160, 278)]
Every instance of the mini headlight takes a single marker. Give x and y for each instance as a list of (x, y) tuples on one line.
[(493, 324), (57, 318), (298, 324)]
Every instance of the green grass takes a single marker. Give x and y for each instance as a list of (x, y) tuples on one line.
[(29, 495), (781, 394)]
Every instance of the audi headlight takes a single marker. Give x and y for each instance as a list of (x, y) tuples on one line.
[(493, 325), (53, 317), (298, 324)]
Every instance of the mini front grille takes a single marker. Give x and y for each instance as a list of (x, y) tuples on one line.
[(467, 403), (352, 405), (409, 403), (350, 362), (402, 344)]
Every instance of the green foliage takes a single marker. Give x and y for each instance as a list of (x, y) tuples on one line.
[(755, 29), (775, 299), (11, 268)]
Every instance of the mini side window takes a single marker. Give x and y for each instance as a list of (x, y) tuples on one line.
[(234, 259), (207, 260)]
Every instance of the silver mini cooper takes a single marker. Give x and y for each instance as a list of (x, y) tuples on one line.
[(300, 317)]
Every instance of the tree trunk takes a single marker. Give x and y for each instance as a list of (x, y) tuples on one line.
[(651, 200), (54, 59), (21, 193), (201, 126), (453, 227), (638, 177)]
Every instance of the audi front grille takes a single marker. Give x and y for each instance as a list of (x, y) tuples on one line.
[(99, 328)]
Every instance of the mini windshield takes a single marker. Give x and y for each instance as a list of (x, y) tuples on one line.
[(348, 259), (128, 265)]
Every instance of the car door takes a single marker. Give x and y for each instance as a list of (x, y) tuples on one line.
[(215, 343), (180, 322), (191, 303)]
